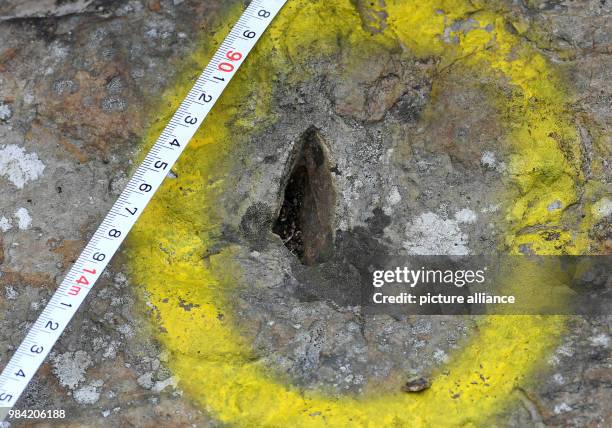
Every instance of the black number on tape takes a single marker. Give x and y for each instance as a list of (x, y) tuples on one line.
[(160, 165), (114, 233), (205, 97), (36, 349), (51, 325)]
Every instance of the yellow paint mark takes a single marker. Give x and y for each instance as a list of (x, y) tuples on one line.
[(168, 246)]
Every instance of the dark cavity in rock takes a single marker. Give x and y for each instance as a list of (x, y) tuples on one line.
[(305, 219)]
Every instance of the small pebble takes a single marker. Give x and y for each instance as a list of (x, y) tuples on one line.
[(416, 384)]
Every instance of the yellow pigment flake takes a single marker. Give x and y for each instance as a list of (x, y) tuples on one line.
[(177, 230)]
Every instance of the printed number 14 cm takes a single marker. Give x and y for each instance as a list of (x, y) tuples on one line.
[(75, 289)]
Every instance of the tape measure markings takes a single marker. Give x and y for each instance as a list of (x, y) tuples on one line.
[(122, 216)]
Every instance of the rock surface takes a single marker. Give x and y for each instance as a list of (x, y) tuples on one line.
[(79, 82)]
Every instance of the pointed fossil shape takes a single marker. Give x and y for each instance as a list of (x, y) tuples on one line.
[(306, 215)]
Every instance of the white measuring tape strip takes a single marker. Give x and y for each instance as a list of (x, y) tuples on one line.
[(132, 201)]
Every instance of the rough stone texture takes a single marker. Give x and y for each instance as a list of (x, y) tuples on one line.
[(39, 9), (338, 348), (74, 91)]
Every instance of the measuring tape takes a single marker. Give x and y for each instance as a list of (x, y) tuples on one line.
[(134, 198)]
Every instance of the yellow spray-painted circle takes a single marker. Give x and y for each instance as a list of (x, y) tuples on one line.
[(212, 360)]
